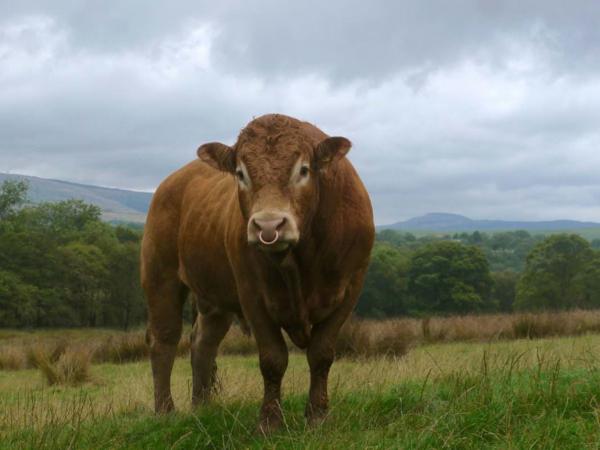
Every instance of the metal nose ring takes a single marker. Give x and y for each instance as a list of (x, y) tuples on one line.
[(268, 242)]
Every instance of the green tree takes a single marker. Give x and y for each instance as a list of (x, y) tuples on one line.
[(449, 277), (60, 265), (554, 274), (85, 280), (504, 290), (385, 291), (13, 193), (591, 282), (17, 301), (125, 306), (396, 238), (61, 222)]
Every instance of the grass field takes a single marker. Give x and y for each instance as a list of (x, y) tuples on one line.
[(508, 394)]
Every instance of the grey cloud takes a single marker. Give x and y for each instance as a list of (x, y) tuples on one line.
[(340, 39), (482, 108)]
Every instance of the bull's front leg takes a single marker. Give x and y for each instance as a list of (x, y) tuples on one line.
[(321, 353), (273, 358)]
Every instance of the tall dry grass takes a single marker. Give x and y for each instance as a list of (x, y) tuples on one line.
[(12, 358), (358, 338), (61, 364), (128, 347)]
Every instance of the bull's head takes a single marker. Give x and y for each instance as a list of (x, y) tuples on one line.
[(277, 176)]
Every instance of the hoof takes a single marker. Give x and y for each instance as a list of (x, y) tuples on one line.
[(200, 400), (164, 407), (315, 416), (266, 426), (204, 396)]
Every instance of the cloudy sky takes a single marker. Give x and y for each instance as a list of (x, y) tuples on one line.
[(485, 108)]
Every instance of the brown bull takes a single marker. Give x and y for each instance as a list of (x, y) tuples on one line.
[(276, 230)]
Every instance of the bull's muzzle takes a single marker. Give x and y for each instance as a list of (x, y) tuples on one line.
[(272, 231)]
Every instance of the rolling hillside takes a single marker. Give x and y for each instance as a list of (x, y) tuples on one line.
[(116, 204), (444, 222), (132, 206)]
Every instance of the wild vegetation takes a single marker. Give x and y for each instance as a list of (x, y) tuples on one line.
[(65, 356)]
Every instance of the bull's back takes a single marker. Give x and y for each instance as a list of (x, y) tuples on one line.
[(185, 231)]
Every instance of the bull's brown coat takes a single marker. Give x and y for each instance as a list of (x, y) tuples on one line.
[(197, 239)]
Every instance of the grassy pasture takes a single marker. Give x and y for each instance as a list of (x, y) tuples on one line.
[(504, 394)]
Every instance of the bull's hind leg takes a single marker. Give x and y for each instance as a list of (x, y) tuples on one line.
[(165, 306), (210, 328)]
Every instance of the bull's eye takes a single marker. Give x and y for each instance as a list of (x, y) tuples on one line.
[(304, 171), (239, 174)]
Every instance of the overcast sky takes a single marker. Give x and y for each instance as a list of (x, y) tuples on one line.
[(485, 108)]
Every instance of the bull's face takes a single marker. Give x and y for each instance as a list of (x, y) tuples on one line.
[(278, 182)]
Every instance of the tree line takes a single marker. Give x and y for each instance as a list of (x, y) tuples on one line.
[(479, 272), (62, 266)]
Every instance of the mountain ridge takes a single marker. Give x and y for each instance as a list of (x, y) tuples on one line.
[(440, 221), (120, 205), (124, 205)]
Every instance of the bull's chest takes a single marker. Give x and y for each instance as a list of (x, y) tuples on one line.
[(298, 295), (312, 303)]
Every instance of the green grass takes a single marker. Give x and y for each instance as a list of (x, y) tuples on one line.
[(519, 394)]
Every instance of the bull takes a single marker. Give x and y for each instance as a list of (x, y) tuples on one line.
[(277, 231)]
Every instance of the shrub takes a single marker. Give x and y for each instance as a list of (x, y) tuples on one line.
[(364, 339), (353, 339), (122, 348), (71, 367)]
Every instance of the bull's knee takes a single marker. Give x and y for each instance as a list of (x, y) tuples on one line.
[(320, 360), (273, 366), (159, 336)]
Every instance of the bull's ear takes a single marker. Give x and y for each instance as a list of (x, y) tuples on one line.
[(217, 155), (330, 150)]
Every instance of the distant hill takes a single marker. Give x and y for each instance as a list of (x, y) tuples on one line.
[(455, 222), (117, 204), (122, 205)]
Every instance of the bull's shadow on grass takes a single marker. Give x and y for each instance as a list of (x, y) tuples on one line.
[(544, 407)]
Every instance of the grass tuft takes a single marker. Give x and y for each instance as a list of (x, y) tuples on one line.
[(12, 358), (70, 367), (359, 339)]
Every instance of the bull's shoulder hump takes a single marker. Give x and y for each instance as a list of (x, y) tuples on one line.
[(349, 194), (346, 214), (172, 189)]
